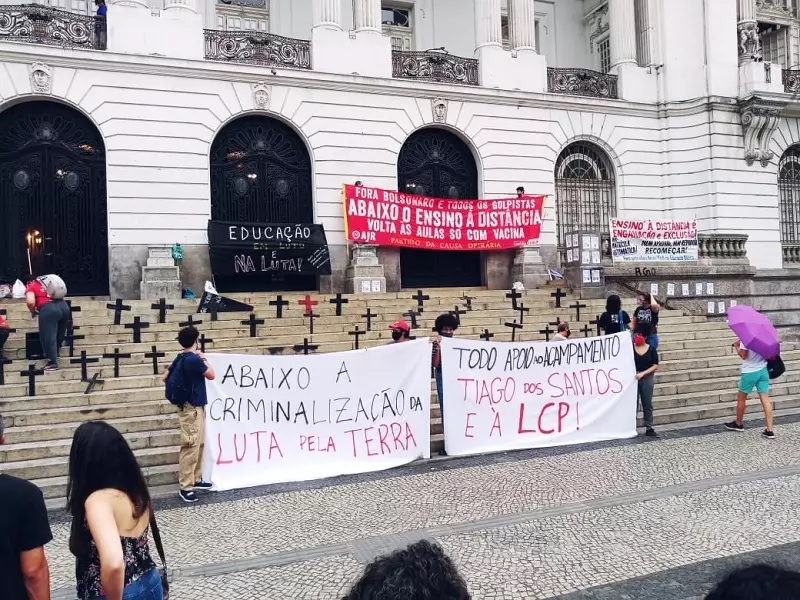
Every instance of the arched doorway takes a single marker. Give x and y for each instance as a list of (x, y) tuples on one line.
[(261, 173), (789, 201), (586, 196), (53, 201), (435, 162)]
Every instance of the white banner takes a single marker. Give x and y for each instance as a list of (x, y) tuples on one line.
[(508, 396), (272, 419), (653, 241)]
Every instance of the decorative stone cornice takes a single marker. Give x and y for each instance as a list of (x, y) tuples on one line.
[(775, 8), (749, 42), (760, 118)]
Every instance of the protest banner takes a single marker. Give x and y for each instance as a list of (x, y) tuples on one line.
[(653, 241), (508, 396), (273, 419), (388, 218)]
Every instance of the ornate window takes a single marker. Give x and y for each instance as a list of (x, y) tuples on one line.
[(789, 191), (243, 15), (397, 25), (585, 191)]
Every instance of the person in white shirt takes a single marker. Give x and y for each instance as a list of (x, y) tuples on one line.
[(563, 333), (754, 377)]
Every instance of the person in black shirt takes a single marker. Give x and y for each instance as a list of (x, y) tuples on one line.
[(24, 530), (647, 312), (444, 326), (614, 320), (646, 358)]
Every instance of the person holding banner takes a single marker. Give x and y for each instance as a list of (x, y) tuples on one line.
[(646, 358), (444, 326), (614, 320), (647, 312), (401, 332), (563, 333)]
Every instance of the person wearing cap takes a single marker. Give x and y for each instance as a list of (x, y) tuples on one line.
[(563, 333), (401, 332)]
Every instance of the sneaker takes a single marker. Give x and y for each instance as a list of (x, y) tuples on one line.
[(734, 426), (770, 435), (188, 496), (50, 367), (202, 485), (650, 432)]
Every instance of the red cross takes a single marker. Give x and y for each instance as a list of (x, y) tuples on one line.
[(308, 303)]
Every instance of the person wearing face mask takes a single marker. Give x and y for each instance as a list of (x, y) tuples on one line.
[(563, 333), (401, 332), (646, 358), (444, 326), (647, 312)]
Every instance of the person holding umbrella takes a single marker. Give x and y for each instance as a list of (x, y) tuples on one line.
[(757, 343)]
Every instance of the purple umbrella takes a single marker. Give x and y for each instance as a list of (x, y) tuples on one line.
[(754, 330)]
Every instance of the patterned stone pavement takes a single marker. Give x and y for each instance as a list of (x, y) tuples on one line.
[(661, 519)]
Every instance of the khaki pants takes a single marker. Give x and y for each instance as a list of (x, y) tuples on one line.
[(190, 459)]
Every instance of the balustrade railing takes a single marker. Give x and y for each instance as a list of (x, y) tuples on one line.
[(434, 65), (37, 24), (722, 246), (581, 82), (791, 254), (791, 81), (256, 48)]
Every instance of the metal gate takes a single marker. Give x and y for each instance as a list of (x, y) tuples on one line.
[(261, 173), (53, 215), (586, 196), (434, 162)]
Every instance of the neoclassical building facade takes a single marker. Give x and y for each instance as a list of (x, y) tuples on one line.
[(124, 133)]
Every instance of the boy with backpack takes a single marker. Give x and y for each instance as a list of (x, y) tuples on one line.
[(186, 389), (44, 297)]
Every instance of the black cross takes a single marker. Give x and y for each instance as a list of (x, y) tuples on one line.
[(586, 330), (420, 298), (547, 332), (305, 347), (137, 327), (514, 295), (3, 312), (311, 316), (116, 355), (368, 316), (412, 316), (514, 326), (3, 362), (522, 310), (252, 321), (279, 303), (457, 312), (190, 322), (486, 335), (203, 340), (468, 301), (213, 311), (162, 307), (577, 306), (95, 380), (356, 333), (84, 362), (596, 323), (32, 372), (338, 301), (558, 295), (72, 309), (155, 355), (555, 323), (71, 337), (118, 307)]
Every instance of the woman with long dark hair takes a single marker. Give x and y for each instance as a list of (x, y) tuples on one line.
[(614, 320), (111, 515)]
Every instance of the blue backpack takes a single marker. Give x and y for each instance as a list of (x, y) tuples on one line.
[(177, 390)]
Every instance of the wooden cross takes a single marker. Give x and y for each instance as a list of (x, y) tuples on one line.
[(368, 316), (577, 306), (311, 316), (84, 361), (420, 297), (162, 307), (514, 295), (356, 333), (558, 295), (457, 312), (3, 362), (203, 340), (547, 333), (72, 309), (214, 311), (308, 303), (596, 323), (137, 327), (522, 310), (116, 355), (412, 316), (468, 301), (252, 322), (95, 380), (305, 347), (190, 322), (278, 303), (118, 307), (555, 323), (514, 326), (155, 355), (32, 373), (486, 335), (586, 330), (71, 337), (338, 301)]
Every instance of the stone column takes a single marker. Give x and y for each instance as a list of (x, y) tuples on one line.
[(367, 15), (328, 14), (488, 28), (522, 24), (622, 28), (749, 43)]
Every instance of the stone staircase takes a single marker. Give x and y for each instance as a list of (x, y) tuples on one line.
[(697, 381)]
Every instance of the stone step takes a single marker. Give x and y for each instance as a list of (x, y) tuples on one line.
[(81, 413), (718, 395), (720, 410), (55, 488), (37, 434)]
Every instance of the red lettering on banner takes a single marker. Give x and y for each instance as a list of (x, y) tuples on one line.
[(240, 452), (220, 461), (400, 440), (496, 426), (586, 382), (314, 443), (562, 412), (541, 414)]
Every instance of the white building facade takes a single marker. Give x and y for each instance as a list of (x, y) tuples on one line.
[(128, 133)]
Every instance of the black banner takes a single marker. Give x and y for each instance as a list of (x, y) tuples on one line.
[(210, 303), (252, 249)]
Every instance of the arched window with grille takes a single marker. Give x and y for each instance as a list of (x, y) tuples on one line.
[(586, 192), (789, 201)]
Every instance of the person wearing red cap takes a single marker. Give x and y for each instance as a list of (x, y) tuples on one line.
[(401, 332)]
